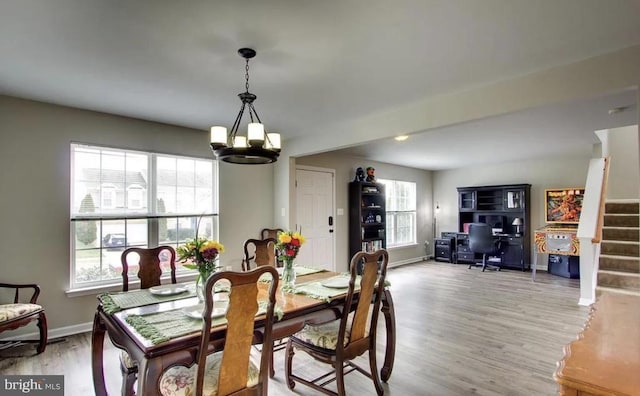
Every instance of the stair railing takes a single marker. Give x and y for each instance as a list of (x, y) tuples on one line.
[(590, 227)]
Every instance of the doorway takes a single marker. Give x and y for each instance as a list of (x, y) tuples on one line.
[(315, 201)]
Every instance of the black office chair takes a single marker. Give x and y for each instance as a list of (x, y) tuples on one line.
[(481, 240)]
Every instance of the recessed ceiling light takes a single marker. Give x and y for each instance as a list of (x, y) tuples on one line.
[(617, 110), (401, 138)]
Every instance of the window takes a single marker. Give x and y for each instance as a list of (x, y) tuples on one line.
[(123, 198), (401, 212)]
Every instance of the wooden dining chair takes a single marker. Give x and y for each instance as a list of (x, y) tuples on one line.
[(259, 252), (230, 371), (340, 341), (149, 262), (20, 313), (270, 233)]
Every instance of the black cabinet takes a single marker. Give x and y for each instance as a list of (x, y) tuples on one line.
[(444, 249), (511, 252), (506, 208), (466, 199), (367, 217), (514, 199), (463, 252)]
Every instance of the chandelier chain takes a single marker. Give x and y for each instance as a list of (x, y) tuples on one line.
[(246, 75)]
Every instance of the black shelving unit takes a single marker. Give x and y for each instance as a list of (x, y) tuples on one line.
[(499, 206), (367, 217)]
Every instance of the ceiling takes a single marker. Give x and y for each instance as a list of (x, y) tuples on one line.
[(318, 62), (566, 129)]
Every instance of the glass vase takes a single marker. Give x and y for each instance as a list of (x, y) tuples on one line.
[(288, 273), (200, 284)]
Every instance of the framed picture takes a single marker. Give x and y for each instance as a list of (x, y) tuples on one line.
[(563, 205)]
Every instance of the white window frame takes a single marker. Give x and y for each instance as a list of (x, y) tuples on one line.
[(129, 215), (392, 215)]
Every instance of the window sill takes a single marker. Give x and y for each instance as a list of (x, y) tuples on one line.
[(116, 287)]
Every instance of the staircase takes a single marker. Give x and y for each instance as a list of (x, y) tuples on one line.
[(619, 265)]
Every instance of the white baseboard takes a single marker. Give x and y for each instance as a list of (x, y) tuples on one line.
[(54, 333), (407, 261)]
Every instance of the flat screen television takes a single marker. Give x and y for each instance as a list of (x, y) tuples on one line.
[(563, 205)]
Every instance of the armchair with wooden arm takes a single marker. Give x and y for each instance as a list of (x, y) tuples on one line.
[(19, 313)]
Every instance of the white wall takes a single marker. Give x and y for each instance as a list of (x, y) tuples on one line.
[(34, 203), (345, 171), (624, 173)]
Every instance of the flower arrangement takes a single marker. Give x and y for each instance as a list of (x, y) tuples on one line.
[(288, 244), (200, 254)]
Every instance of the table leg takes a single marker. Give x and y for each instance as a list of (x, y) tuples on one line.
[(148, 377), (390, 323), (535, 264), (97, 348)]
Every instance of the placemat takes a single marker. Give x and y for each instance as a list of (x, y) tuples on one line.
[(115, 302), (163, 326), (300, 271), (315, 289)]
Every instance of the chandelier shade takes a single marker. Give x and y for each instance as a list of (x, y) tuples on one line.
[(257, 147)]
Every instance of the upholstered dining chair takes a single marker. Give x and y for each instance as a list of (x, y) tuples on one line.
[(482, 241), (230, 371), (259, 252), (19, 313), (340, 341), (149, 262)]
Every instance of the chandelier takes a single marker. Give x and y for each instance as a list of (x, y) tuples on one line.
[(257, 147)]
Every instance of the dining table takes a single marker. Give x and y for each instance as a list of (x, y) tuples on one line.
[(159, 330)]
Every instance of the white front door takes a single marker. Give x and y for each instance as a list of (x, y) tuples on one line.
[(314, 215)]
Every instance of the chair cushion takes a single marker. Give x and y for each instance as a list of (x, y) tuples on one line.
[(13, 311), (325, 335), (181, 380), (126, 360)]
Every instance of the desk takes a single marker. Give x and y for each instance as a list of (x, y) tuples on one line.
[(513, 250), (154, 359), (555, 240), (605, 359)]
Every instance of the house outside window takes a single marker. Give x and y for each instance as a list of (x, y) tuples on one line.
[(124, 198), (401, 212), (108, 196), (135, 196)]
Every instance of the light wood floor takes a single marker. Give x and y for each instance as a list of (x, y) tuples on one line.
[(460, 332)]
